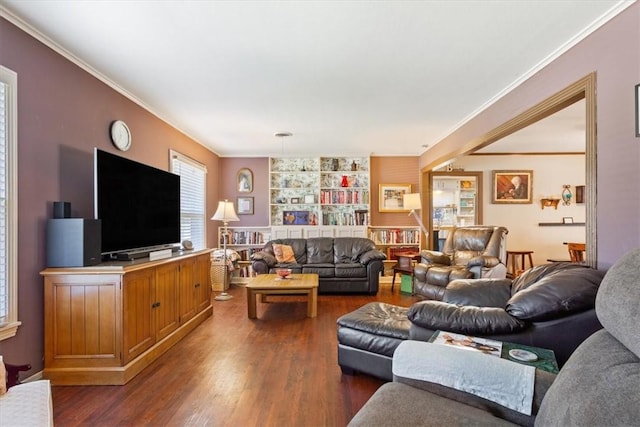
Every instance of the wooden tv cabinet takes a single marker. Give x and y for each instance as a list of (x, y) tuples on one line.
[(104, 324)]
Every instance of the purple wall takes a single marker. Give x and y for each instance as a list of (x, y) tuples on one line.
[(260, 168), (613, 52), (63, 112)]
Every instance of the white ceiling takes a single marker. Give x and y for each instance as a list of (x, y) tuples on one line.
[(361, 77)]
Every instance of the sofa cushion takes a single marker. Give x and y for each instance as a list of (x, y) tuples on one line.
[(350, 270), (617, 301), (349, 249), (319, 250), (322, 270), (478, 292), (284, 253), (598, 386), (562, 291)]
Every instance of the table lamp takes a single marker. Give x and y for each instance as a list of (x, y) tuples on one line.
[(412, 202), (225, 213)]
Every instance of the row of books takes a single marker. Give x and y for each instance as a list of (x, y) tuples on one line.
[(393, 236), (245, 253), (339, 197), (246, 237), (346, 218)]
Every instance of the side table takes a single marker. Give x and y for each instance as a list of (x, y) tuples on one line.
[(404, 266)]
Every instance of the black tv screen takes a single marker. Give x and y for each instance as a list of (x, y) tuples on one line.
[(139, 205)]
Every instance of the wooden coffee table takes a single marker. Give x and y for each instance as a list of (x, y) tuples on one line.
[(271, 284)]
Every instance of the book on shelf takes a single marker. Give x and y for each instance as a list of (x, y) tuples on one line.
[(467, 342)]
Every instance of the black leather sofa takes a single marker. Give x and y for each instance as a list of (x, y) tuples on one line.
[(549, 306), (343, 264)]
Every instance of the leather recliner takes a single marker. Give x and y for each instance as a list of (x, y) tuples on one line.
[(471, 252)]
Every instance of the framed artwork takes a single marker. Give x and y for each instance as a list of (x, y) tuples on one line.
[(245, 180), (512, 187), (295, 217), (391, 197), (309, 199), (294, 200), (245, 205)]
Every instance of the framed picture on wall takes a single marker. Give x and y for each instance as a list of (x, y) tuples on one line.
[(391, 197), (514, 186), (245, 205), (245, 180)]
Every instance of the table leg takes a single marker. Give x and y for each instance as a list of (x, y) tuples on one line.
[(312, 303), (251, 304)]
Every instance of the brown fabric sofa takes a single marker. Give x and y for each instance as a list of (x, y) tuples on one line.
[(343, 264)]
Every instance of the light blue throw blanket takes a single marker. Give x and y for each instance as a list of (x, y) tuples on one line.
[(507, 383)]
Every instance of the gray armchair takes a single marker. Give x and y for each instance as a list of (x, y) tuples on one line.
[(472, 252), (598, 386)]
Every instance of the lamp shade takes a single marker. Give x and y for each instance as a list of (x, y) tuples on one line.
[(411, 201), (225, 212)]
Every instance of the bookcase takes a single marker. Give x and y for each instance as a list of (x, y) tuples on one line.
[(393, 240), (319, 192), (245, 241)]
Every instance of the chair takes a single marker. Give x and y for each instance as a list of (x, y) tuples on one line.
[(472, 252), (597, 386), (576, 251)]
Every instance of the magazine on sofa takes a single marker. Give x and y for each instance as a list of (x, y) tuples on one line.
[(466, 342)]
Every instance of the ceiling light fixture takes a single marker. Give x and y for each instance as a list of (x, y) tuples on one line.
[(282, 136)]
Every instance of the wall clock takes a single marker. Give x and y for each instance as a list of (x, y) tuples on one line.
[(120, 135)]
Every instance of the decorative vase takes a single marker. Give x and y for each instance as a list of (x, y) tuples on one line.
[(354, 166), (345, 181), (334, 164)]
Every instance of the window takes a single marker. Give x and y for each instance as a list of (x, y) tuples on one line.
[(192, 198), (8, 203)]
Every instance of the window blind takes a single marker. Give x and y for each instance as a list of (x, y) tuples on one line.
[(192, 198)]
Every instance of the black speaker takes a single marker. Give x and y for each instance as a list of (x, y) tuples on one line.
[(73, 242), (61, 210)]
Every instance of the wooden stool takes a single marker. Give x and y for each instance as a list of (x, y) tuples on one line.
[(404, 265), (514, 262)]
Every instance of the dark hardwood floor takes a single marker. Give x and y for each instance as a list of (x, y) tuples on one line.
[(278, 370)]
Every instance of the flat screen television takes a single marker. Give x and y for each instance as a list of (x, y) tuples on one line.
[(138, 205)]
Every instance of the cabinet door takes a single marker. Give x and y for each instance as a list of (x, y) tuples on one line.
[(166, 311), (138, 321), (187, 292), (203, 282)]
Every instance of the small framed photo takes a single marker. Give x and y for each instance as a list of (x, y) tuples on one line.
[(245, 180), (567, 220), (294, 200), (391, 197), (309, 199), (512, 186), (245, 205)]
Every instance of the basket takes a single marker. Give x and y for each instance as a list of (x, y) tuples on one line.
[(217, 276)]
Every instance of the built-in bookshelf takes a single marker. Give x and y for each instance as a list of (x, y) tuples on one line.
[(324, 191), (393, 240)]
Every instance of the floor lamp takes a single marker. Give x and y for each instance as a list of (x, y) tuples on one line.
[(225, 213), (412, 202)]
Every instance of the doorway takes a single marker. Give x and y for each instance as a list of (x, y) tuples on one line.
[(455, 200), (584, 88)]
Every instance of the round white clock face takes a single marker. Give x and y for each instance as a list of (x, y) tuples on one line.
[(120, 135)]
